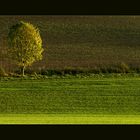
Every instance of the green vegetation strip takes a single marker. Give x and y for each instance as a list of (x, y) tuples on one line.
[(68, 119), (70, 100)]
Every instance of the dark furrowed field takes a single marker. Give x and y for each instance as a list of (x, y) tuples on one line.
[(105, 96), (85, 42)]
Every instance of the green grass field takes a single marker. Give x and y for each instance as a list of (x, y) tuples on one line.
[(87, 100)]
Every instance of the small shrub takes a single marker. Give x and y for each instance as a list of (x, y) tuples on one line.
[(29, 71), (95, 70), (2, 72), (14, 74), (124, 67)]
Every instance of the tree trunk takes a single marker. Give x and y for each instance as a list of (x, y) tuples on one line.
[(22, 69)]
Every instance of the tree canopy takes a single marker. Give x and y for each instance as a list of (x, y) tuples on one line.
[(25, 44)]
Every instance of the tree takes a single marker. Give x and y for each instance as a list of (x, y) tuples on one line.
[(25, 44)]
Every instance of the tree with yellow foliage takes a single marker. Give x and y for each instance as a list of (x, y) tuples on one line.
[(25, 44)]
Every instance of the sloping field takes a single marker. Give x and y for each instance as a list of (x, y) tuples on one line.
[(81, 41)]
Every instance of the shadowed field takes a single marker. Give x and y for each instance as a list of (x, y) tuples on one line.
[(86, 42)]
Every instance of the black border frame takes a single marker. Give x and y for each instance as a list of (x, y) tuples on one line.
[(58, 7)]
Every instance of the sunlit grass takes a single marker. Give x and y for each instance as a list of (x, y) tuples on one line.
[(91, 100), (68, 119)]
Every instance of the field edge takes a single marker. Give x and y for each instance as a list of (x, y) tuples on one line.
[(68, 119)]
